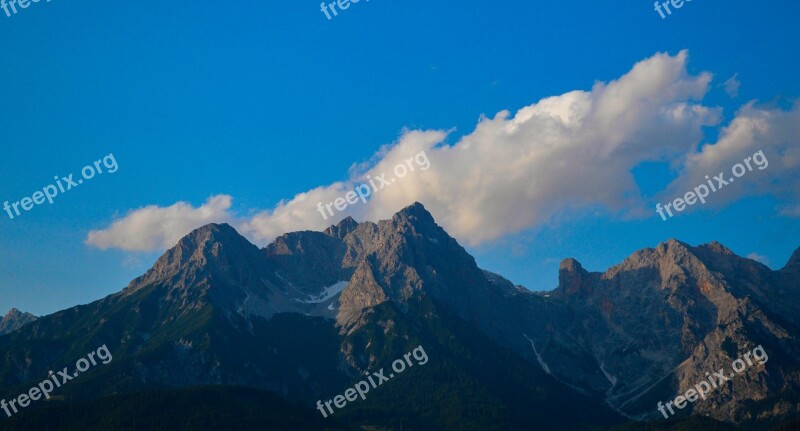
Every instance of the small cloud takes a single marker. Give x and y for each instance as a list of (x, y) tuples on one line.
[(732, 85), (132, 261), (758, 258), (153, 227), (518, 249)]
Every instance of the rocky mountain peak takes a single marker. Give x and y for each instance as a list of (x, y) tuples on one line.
[(210, 242), (573, 279), (14, 319), (212, 232), (570, 265), (672, 245), (415, 223), (343, 228), (415, 214), (208, 248), (718, 248), (670, 253), (13, 313)]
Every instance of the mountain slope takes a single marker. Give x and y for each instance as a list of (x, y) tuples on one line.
[(656, 323)]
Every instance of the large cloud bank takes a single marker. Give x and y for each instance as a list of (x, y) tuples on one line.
[(563, 154)]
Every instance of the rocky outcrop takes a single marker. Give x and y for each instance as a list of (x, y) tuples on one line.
[(13, 320)]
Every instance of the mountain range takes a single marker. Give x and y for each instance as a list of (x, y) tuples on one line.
[(216, 318)]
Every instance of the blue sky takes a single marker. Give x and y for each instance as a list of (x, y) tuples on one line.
[(265, 101)]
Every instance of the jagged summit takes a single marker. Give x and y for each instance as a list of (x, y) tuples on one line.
[(672, 245), (414, 213), (572, 278), (14, 319), (414, 220), (210, 250), (219, 232), (13, 312), (341, 229), (570, 265), (717, 247)]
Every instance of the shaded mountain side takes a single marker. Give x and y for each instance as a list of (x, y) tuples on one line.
[(14, 320), (468, 383), (470, 380), (665, 316), (190, 409), (308, 259), (306, 316), (696, 423), (215, 408), (151, 350)]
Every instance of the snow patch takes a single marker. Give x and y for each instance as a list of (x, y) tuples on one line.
[(243, 308), (611, 379), (328, 293), (538, 356)]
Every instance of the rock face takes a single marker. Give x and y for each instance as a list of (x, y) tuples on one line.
[(652, 326), (13, 320), (634, 335), (216, 309)]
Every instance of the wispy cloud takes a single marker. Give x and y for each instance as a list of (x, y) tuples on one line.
[(758, 258), (732, 85)]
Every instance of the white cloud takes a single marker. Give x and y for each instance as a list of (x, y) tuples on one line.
[(153, 227), (568, 153), (512, 172), (732, 85), (774, 131)]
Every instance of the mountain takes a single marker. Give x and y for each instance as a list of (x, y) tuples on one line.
[(652, 326), (13, 320), (312, 313), (305, 318)]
